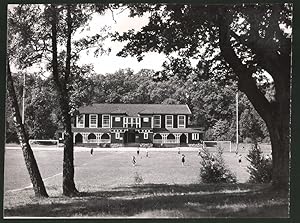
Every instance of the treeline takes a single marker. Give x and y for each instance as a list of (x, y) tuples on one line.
[(212, 105)]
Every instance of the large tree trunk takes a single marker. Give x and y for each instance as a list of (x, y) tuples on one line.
[(276, 114), (69, 188), (30, 162), (280, 155), (278, 125)]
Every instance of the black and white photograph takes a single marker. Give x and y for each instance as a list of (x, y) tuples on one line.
[(148, 110)]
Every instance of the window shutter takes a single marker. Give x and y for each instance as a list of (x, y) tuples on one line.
[(74, 119), (99, 121), (162, 119), (175, 124), (86, 120)]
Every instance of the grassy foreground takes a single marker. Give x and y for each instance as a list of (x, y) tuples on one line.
[(153, 201)]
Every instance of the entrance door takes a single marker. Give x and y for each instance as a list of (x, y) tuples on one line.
[(183, 139), (130, 136)]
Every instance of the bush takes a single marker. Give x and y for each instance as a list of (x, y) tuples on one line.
[(213, 168), (260, 168), (138, 179)]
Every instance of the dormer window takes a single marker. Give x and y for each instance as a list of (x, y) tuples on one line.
[(156, 121), (80, 121), (93, 120), (105, 121), (169, 121), (181, 121)]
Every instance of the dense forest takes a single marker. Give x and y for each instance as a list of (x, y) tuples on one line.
[(212, 102)]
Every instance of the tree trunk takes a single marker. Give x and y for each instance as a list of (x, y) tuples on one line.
[(279, 129), (69, 188), (30, 162), (276, 114), (280, 156)]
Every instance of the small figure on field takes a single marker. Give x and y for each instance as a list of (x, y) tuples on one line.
[(240, 158), (182, 159), (138, 152), (133, 160), (178, 150), (147, 155), (92, 151)]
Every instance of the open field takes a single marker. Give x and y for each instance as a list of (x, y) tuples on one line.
[(158, 186)]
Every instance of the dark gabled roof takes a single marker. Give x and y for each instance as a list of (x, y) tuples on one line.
[(91, 130), (177, 130), (135, 109)]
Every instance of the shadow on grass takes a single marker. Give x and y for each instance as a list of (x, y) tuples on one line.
[(159, 200)]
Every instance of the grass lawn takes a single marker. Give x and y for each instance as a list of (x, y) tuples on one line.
[(158, 186)]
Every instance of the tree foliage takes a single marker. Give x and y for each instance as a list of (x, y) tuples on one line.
[(239, 42)]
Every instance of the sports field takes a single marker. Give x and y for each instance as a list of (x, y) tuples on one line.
[(108, 168), (159, 186)]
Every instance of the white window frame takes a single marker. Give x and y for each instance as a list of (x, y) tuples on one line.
[(125, 123), (138, 122), (90, 120), (117, 135), (106, 126), (146, 135), (181, 126), (156, 126), (166, 119), (132, 122), (195, 136), (79, 125), (117, 119)]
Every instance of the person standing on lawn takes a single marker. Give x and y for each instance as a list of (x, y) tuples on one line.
[(182, 159), (240, 159), (133, 160)]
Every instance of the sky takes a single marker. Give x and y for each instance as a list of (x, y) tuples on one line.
[(119, 21)]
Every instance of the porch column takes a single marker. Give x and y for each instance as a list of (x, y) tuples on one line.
[(100, 135), (74, 134), (177, 137), (164, 137), (85, 138), (97, 138)]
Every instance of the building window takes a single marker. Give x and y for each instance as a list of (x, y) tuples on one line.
[(169, 121), (117, 119), (117, 135), (146, 119), (105, 121), (195, 136), (132, 122), (125, 124), (181, 121), (93, 121), (80, 121), (156, 121), (146, 135)]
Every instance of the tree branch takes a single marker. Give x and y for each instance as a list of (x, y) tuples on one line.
[(246, 83), (55, 72), (69, 36)]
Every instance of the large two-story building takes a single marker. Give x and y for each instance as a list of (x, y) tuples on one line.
[(135, 124)]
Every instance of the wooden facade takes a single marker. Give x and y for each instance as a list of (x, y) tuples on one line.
[(135, 124)]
